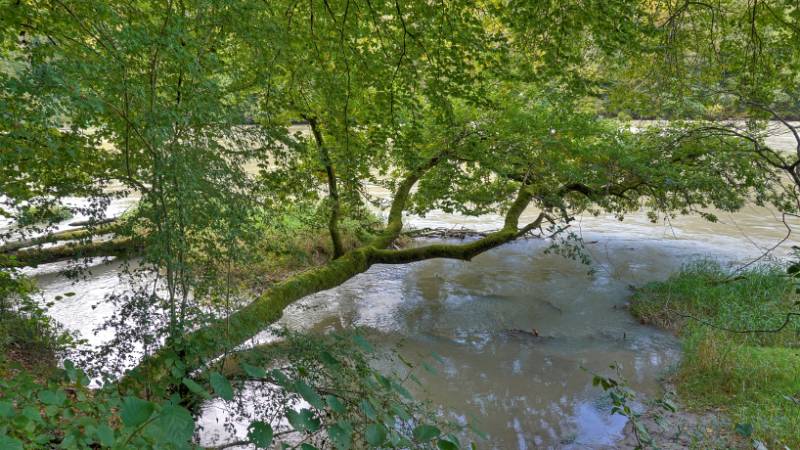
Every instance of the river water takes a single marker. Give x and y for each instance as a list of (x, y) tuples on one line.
[(523, 391)]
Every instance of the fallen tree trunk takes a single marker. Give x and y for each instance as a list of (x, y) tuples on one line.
[(35, 256), (66, 235)]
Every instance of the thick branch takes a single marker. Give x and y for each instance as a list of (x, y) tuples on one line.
[(206, 343), (469, 250), (394, 223), (66, 235)]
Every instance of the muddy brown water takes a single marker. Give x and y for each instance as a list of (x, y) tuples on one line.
[(523, 391)]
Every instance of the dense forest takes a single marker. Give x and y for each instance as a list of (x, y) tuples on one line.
[(231, 158)]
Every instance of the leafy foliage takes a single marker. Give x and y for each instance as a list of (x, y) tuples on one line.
[(65, 413), (330, 395)]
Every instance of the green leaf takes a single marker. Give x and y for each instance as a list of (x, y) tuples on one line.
[(9, 443), (260, 434), (335, 404), (402, 391), (195, 388), (174, 424), (303, 420), (307, 446), (341, 434), (744, 429), (385, 382), (424, 433), (55, 398), (400, 411), (445, 444), (368, 409), (135, 411), (329, 359), (105, 435), (309, 394), (279, 377), (376, 434), (221, 386), (253, 371), (32, 413), (6, 409), (70, 370), (363, 343), (429, 368)]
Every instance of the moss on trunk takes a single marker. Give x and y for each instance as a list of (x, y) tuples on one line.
[(202, 346)]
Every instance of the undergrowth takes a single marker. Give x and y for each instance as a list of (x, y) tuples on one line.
[(296, 240), (28, 336)]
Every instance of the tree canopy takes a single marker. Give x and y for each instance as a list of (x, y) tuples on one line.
[(220, 116)]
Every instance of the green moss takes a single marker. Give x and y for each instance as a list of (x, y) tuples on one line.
[(752, 377)]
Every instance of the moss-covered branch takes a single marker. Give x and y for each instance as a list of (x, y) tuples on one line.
[(469, 250), (205, 344), (394, 223)]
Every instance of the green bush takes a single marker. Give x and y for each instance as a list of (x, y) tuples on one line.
[(27, 334), (35, 215)]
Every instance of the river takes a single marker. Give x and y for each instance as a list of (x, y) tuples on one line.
[(525, 392)]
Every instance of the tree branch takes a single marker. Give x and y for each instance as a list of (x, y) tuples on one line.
[(333, 190), (469, 250)]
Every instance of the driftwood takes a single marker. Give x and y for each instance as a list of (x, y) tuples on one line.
[(446, 233), (95, 222)]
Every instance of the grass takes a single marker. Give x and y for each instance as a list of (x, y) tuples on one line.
[(295, 241), (754, 378)]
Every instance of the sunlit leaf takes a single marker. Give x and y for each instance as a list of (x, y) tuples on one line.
[(425, 433)]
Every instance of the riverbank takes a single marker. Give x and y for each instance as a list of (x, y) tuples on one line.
[(737, 383)]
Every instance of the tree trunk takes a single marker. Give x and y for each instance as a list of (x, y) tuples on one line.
[(207, 343)]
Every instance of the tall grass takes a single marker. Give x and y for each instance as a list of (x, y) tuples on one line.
[(754, 377)]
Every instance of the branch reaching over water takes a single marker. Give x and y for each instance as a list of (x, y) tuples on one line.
[(467, 251), (203, 345), (780, 328)]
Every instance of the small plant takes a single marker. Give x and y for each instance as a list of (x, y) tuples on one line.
[(622, 398)]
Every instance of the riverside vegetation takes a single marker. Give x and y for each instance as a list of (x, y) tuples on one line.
[(740, 345), (497, 106)]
